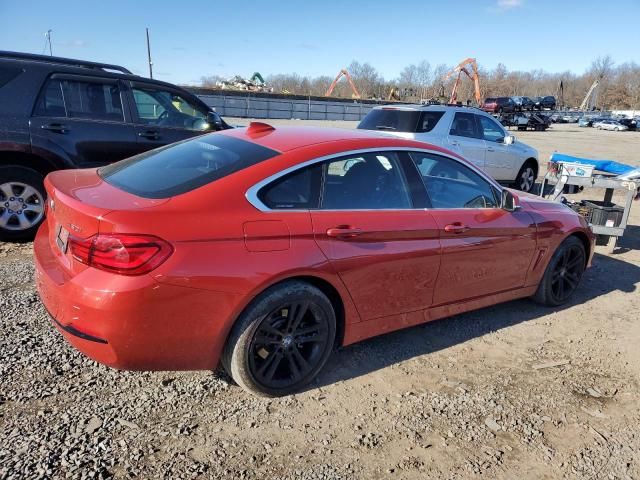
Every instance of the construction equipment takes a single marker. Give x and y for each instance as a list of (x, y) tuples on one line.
[(460, 69), (344, 73), (589, 102)]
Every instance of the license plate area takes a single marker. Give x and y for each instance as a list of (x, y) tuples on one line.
[(62, 238)]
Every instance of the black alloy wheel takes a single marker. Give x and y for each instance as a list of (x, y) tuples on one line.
[(563, 273), (288, 344), (282, 339)]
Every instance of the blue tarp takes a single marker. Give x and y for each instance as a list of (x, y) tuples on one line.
[(608, 166)]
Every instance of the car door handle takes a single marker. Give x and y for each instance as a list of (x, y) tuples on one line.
[(454, 143), (490, 149), (456, 227), (150, 134), (344, 232), (55, 127)]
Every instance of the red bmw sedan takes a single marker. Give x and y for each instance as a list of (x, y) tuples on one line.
[(263, 248)]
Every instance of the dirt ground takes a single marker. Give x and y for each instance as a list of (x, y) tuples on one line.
[(511, 391)]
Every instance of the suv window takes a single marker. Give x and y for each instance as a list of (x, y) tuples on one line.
[(464, 125), (491, 131), (168, 109), (392, 119), (8, 73), (92, 100), (428, 121), (184, 166), (298, 190), (450, 184), (367, 181), (51, 102)]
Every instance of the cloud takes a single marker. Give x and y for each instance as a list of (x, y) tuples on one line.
[(71, 43), (504, 5)]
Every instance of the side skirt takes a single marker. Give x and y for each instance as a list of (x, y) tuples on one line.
[(356, 332)]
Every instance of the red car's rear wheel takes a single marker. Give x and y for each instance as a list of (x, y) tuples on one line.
[(282, 340)]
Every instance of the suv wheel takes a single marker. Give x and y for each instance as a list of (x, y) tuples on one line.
[(526, 179), (22, 200)]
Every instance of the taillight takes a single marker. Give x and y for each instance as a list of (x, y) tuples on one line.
[(121, 253)]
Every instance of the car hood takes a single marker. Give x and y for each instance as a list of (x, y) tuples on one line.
[(529, 201)]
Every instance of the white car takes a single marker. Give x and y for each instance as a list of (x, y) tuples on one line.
[(610, 125), (468, 131)]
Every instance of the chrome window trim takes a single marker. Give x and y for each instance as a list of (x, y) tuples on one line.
[(252, 193)]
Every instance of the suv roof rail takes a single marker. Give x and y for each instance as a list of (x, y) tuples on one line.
[(63, 61)]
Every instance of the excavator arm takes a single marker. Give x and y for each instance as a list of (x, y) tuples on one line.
[(342, 73), (459, 70)]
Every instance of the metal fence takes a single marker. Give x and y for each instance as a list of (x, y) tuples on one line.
[(310, 109)]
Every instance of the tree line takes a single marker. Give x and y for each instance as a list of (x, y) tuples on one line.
[(619, 84)]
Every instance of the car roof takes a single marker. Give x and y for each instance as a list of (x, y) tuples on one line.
[(82, 67), (435, 107), (287, 138)]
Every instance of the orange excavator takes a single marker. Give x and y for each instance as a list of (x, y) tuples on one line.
[(342, 73), (460, 69)]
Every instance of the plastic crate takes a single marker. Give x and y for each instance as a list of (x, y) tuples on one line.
[(602, 213)]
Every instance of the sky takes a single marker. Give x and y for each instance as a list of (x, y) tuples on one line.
[(198, 38)]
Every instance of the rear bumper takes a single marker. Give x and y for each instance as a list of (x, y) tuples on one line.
[(133, 323)]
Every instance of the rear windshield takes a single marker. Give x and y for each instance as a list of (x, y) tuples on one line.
[(184, 166), (393, 120)]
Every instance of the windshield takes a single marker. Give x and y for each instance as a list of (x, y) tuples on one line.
[(184, 166)]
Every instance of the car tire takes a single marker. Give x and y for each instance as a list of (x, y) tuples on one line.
[(526, 179), (265, 355), (563, 273), (20, 214)]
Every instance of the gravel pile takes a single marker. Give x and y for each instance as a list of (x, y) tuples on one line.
[(403, 406)]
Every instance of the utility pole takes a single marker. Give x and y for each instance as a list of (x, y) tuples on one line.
[(149, 55), (48, 35)]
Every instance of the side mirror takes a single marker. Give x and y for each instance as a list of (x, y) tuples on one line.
[(509, 140), (508, 201), (214, 119)]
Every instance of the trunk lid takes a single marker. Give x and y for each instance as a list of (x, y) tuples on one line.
[(77, 201)]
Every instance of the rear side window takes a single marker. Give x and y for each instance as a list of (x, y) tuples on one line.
[(298, 190), (51, 101), (428, 121), (464, 125), (92, 100), (77, 99), (184, 166), (391, 119)]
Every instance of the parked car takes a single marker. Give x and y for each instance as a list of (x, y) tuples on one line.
[(523, 103), (263, 248), (630, 123), (545, 103), (611, 125), (61, 113), (498, 105), (468, 131), (584, 122)]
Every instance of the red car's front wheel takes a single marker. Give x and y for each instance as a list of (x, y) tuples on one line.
[(282, 340)]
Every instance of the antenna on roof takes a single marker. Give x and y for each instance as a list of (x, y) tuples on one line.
[(149, 55), (48, 35)]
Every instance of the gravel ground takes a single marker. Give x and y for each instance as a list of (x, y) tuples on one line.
[(514, 390)]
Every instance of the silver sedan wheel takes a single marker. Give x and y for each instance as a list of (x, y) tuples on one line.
[(527, 179), (21, 206)]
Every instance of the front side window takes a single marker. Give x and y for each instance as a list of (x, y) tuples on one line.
[(367, 181), (491, 131), (168, 109), (92, 100), (464, 125), (451, 184)]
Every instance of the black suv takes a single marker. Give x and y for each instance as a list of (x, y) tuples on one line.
[(60, 113), (542, 103)]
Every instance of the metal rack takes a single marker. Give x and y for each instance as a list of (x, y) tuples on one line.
[(608, 183)]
